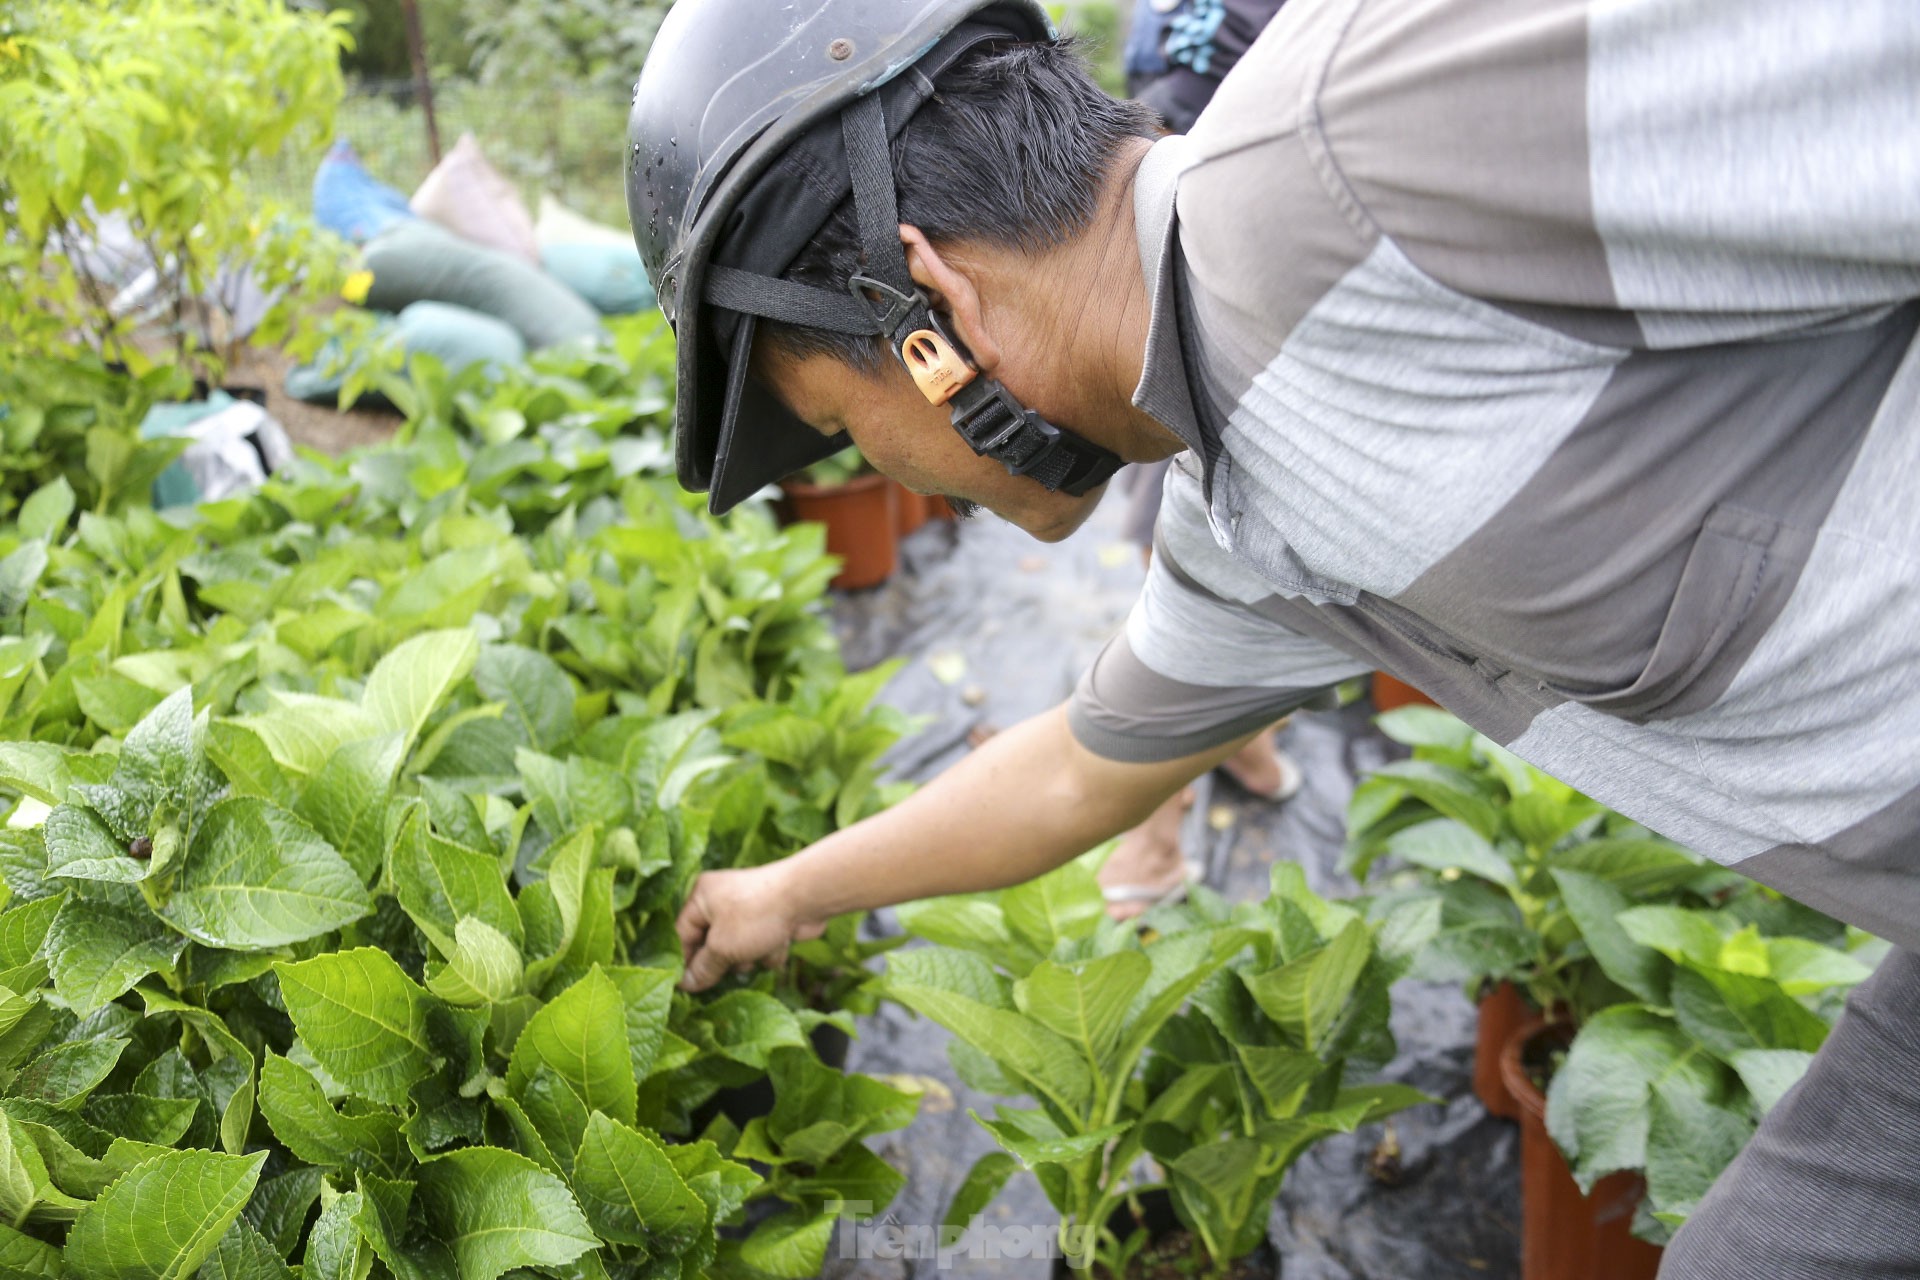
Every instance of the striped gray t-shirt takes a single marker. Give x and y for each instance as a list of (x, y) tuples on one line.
[(1558, 356)]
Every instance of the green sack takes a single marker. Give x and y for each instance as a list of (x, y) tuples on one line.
[(609, 276), (455, 336), (419, 262)]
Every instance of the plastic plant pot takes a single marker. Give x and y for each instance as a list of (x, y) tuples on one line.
[(860, 517), (1565, 1235), (1502, 1009), (1389, 693)]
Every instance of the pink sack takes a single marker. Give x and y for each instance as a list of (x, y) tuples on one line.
[(470, 198)]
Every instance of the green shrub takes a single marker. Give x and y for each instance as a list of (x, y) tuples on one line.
[(1217, 1046), (346, 826), (146, 114)]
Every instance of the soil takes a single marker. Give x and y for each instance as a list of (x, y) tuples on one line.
[(1172, 1258), (316, 426)]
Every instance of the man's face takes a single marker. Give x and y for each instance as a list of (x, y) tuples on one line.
[(914, 442)]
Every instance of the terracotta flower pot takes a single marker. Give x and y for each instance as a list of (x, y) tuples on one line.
[(1502, 1010), (1565, 1235), (912, 511), (1389, 693), (860, 516)]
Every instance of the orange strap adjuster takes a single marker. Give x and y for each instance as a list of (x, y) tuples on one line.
[(937, 368)]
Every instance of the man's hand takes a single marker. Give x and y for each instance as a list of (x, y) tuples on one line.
[(734, 920), (1025, 802)]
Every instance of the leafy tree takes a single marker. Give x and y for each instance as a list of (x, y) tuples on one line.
[(138, 121)]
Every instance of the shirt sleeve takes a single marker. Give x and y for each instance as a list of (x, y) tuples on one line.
[(1197, 665)]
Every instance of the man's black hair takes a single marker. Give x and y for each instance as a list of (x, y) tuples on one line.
[(1012, 151)]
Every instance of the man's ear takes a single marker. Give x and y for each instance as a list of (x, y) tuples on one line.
[(951, 292)]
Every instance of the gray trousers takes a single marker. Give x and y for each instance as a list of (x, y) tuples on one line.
[(1829, 1188)]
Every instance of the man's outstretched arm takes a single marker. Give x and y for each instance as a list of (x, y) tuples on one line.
[(1027, 801)]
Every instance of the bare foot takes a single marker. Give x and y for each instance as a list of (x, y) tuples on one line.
[(1147, 863)]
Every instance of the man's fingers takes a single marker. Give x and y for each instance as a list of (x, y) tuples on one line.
[(808, 932), (692, 925), (704, 968)]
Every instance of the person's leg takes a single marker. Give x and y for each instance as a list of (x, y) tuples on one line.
[(1829, 1188), (1263, 769), (1147, 865)]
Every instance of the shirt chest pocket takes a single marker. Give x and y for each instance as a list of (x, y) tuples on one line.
[(1736, 577)]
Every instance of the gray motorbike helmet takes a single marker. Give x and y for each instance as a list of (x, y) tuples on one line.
[(751, 123)]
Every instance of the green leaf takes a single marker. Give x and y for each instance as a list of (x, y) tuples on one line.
[(81, 847), (279, 1207), (1596, 907), (1446, 845), (307, 1124), (1307, 996), (303, 731), (243, 1254), (37, 769), (536, 693), (1224, 1187), (1639, 868), (363, 1019), (346, 802), (24, 1258), (648, 996), (384, 1218), (483, 967), (792, 1245), (581, 1038), (1424, 727), (47, 510), (163, 1217), (20, 571), (407, 685), (1675, 932), (1037, 1141), (818, 1111), (257, 877), (250, 768), (969, 923), (570, 795), (631, 1192), (25, 1185), (937, 983), (1086, 1001), (748, 1026), (977, 1190), (160, 1121), (1063, 905), (1280, 1076), (439, 882), (98, 952), (1598, 1103), (64, 1075), (335, 1248), (162, 750), (497, 1210), (1769, 1073), (1690, 1140), (1455, 794)]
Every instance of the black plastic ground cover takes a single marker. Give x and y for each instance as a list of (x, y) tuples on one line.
[(995, 627)]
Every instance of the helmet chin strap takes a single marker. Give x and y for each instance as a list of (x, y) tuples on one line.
[(988, 416)]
